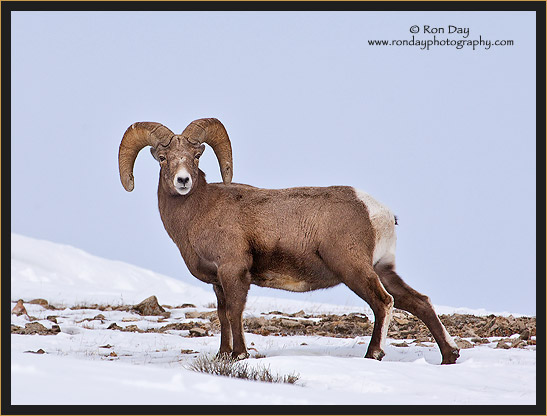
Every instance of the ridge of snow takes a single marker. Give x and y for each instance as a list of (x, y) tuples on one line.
[(65, 275)]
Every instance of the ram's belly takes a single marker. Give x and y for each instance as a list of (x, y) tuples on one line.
[(295, 281)]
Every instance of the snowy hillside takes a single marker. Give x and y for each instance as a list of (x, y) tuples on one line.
[(68, 276), (95, 353)]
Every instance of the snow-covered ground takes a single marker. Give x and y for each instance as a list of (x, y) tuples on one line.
[(86, 363)]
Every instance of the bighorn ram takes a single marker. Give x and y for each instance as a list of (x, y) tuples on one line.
[(297, 239)]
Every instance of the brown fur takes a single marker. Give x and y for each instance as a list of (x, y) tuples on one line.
[(298, 239), (277, 234), (236, 235)]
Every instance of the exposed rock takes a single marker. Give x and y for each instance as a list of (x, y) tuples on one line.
[(132, 328), (257, 323), (522, 330), (179, 326), (85, 306), (339, 327), (188, 352), (271, 328), (19, 308), (99, 317), (479, 340), (518, 343), (406, 326), (35, 328), (504, 343), (128, 328), (487, 326), (40, 351), (130, 319), (401, 320), (423, 338), (185, 305), (332, 325), (198, 332), (124, 308), (201, 315), (401, 344), (290, 323), (468, 333), (149, 307), (463, 344), (42, 302), (182, 326), (275, 313)]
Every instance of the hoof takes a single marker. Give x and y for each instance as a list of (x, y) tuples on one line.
[(241, 356), (451, 357), (375, 355), (224, 355)]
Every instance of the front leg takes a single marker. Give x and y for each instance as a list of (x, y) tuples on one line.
[(235, 280), (225, 328)]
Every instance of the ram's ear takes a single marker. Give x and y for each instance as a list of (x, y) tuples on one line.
[(153, 153)]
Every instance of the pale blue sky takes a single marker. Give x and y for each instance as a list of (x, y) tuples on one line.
[(444, 137)]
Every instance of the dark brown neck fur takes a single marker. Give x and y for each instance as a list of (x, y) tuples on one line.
[(176, 211)]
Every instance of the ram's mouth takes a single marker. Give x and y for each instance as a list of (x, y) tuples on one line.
[(182, 190)]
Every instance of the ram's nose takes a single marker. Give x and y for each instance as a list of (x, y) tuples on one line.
[(183, 180)]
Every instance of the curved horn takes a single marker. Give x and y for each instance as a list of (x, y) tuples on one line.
[(137, 136), (212, 132)]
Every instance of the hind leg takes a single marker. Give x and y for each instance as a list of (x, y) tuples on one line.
[(420, 306), (360, 277), (366, 284)]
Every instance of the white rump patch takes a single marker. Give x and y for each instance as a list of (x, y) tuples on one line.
[(383, 222)]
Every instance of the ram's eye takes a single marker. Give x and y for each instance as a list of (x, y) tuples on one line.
[(161, 158)]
